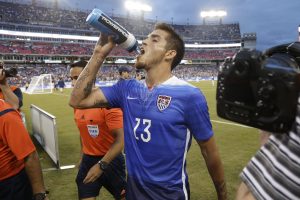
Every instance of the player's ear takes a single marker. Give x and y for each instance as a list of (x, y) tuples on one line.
[(170, 54)]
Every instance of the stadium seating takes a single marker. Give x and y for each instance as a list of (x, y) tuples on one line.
[(25, 17), (73, 22)]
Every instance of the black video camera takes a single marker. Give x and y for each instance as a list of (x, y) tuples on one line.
[(261, 89), (11, 72)]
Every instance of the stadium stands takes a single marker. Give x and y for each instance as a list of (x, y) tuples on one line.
[(74, 21), (31, 53), (107, 72)]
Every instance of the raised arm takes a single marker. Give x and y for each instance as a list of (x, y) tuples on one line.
[(83, 94)]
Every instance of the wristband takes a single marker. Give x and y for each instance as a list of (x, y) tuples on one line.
[(39, 196)]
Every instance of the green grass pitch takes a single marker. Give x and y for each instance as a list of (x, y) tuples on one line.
[(236, 145)]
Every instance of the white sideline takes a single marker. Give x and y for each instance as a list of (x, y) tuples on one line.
[(61, 94), (61, 168), (233, 124)]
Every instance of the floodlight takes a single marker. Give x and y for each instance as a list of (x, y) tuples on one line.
[(134, 5), (213, 13)]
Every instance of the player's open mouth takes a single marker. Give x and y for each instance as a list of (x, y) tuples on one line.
[(142, 51)]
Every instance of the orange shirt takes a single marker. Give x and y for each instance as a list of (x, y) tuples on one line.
[(95, 126), (12, 89), (15, 142)]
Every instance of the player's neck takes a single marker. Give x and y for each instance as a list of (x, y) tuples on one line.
[(158, 75)]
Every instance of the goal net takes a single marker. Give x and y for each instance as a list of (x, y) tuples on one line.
[(41, 84)]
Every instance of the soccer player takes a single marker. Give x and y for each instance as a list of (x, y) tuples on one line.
[(124, 72), (160, 118), (20, 170), (61, 84), (139, 74), (102, 141)]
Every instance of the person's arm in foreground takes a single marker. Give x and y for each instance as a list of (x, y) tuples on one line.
[(34, 172), (214, 165), (83, 94), (116, 148)]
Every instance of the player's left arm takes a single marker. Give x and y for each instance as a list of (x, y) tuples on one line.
[(214, 165)]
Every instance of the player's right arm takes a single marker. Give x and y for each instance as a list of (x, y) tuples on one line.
[(84, 95)]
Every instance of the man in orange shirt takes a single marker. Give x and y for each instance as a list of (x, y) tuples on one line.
[(102, 141), (11, 94), (20, 175)]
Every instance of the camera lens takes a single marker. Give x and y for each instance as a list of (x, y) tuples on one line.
[(11, 72)]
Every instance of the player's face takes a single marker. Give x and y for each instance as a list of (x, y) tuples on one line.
[(153, 50), (138, 76), (125, 75), (74, 74)]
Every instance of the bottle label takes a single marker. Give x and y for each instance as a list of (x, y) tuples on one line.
[(115, 28)]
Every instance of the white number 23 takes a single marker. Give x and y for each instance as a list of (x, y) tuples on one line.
[(146, 135)]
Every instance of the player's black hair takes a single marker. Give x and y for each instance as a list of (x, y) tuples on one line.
[(81, 63)]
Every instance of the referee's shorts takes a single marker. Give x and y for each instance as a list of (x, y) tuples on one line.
[(113, 178)]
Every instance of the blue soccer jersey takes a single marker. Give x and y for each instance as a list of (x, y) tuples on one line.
[(158, 125)]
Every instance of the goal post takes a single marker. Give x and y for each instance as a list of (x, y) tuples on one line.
[(41, 84)]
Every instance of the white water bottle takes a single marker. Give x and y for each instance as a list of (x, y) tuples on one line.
[(105, 24)]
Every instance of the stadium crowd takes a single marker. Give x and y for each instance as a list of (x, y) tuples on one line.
[(108, 72), (43, 48), (73, 22)]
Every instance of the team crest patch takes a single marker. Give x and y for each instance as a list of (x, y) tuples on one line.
[(163, 102), (93, 130)]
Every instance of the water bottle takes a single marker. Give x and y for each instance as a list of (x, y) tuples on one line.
[(105, 24)]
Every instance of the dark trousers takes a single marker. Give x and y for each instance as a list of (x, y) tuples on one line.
[(17, 187), (113, 179)]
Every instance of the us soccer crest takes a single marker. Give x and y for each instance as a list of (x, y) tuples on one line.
[(163, 102)]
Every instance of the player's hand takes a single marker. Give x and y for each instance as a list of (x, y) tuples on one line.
[(94, 173), (104, 45)]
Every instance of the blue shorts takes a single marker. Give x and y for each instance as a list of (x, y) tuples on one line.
[(16, 187), (155, 191), (113, 179)]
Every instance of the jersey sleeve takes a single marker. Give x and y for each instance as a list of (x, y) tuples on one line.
[(197, 116), (114, 118), (114, 94), (16, 136)]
